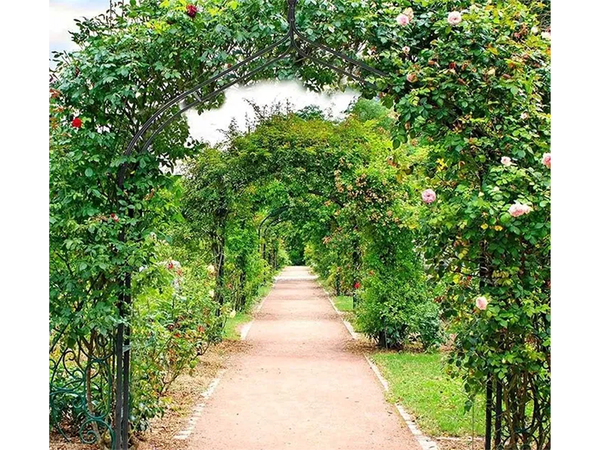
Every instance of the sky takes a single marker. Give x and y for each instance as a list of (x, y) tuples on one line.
[(204, 127)]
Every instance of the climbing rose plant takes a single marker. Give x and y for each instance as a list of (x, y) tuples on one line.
[(477, 99), (469, 84)]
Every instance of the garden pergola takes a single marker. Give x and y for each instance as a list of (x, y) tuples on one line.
[(116, 365), (293, 43)]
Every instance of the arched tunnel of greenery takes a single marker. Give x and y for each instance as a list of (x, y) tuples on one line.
[(434, 214), (333, 194)]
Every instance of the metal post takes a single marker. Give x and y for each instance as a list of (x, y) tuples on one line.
[(498, 413), (489, 392), (125, 417), (123, 360), (119, 389), (126, 365)]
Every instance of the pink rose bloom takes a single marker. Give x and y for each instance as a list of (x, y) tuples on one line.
[(454, 18), (411, 77), (428, 196), (506, 161), (518, 209), (546, 160), (406, 49), (481, 303), (403, 20)]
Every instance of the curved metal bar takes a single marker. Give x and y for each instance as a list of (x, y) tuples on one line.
[(211, 96), (270, 215), (148, 142), (191, 91), (274, 223), (340, 55), (289, 37), (73, 385), (337, 69), (200, 100)]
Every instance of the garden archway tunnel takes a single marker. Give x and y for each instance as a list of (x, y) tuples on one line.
[(134, 82), (294, 44)]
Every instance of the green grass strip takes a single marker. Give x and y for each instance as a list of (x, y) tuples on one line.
[(343, 303), (418, 382)]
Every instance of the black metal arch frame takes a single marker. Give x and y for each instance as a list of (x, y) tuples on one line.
[(164, 116), (264, 224), (271, 220), (192, 97)]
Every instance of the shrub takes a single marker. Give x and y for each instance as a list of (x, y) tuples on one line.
[(396, 305)]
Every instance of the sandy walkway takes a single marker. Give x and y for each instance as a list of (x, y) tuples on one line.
[(299, 386)]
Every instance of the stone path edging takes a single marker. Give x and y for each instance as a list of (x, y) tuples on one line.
[(424, 441), (187, 431), (246, 328)]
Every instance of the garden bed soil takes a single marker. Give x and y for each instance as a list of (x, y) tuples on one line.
[(459, 444)]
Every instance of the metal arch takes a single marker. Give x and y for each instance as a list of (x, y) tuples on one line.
[(293, 38), (273, 214), (273, 223)]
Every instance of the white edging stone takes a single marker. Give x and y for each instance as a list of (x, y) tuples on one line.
[(424, 441), (348, 325), (185, 433), (246, 327)]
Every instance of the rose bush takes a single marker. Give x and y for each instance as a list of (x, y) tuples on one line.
[(480, 107)]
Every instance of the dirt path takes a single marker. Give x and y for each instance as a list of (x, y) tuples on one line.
[(299, 385)]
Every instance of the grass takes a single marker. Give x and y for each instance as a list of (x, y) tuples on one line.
[(418, 382), (233, 326), (343, 303)]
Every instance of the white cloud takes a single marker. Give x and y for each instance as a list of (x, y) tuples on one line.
[(206, 126), (61, 20)]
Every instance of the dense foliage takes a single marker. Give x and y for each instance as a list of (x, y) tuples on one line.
[(340, 186), (464, 191), (480, 104)]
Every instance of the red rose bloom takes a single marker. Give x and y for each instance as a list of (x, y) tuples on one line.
[(191, 11), (76, 122), (357, 285)]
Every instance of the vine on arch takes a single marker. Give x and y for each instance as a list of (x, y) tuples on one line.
[(470, 87)]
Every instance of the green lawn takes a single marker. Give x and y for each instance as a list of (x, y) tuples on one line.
[(418, 382), (234, 325), (343, 303)]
